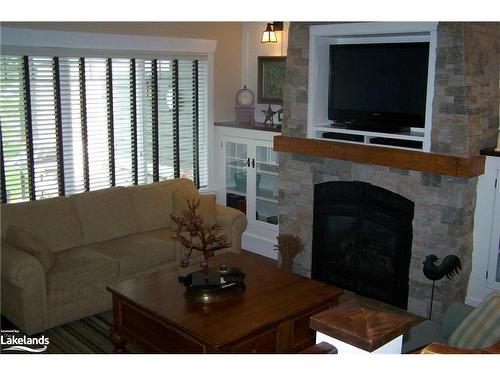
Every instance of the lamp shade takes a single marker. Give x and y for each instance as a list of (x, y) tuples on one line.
[(269, 36)]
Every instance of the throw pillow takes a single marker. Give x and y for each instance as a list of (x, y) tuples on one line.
[(206, 209), (481, 328), (31, 244)]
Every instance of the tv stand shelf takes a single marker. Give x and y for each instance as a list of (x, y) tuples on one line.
[(405, 140)]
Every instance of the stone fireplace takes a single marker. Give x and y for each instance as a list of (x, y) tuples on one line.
[(464, 120)]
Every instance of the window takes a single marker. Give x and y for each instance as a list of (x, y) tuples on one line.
[(74, 124)]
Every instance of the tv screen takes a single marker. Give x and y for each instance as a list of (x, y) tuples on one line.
[(378, 87)]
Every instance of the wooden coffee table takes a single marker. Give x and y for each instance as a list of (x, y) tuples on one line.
[(271, 316)]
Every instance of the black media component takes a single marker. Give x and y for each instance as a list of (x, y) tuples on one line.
[(378, 87), (344, 137), (362, 237), (396, 142)]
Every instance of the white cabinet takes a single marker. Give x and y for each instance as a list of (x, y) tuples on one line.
[(485, 275), (493, 272), (247, 179)]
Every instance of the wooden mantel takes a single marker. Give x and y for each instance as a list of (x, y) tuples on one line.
[(389, 157)]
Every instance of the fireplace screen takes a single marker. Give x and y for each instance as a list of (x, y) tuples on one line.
[(362, 240)]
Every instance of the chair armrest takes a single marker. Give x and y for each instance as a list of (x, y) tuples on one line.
[(455, 314), (421, 335), (436, 348), (233, 222)]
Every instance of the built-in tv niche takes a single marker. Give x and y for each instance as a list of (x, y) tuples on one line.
[(372, 83)]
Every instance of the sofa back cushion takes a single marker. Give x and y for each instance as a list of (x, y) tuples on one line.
[(186, 191), (53, 220), (206, 207), (153, 204), (106, 214)]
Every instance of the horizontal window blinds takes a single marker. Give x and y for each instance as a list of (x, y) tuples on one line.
[(73, 124), (14, 130)]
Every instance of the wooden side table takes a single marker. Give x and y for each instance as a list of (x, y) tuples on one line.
[(363, 325)]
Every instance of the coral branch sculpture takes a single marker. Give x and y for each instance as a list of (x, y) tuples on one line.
[(204, 239), (289, 245)]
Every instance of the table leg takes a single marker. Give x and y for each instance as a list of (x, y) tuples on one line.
[(119, 343)]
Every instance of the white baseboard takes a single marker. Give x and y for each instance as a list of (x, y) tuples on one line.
[(259, 245)]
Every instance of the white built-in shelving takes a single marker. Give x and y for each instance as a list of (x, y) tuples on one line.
[(320, 39)]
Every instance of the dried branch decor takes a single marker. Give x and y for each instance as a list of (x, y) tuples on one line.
[(289, 245), (205, 240)]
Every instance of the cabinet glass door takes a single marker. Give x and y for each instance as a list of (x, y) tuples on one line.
[(236, 175), (266, 184)]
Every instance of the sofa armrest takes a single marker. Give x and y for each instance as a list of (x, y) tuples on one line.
[(24, 289), (234, 223), (20, 268)]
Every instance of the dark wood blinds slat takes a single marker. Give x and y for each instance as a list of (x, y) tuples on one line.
[(156, 143), (175, 68), (83, 109), (196, 164), (111, 137), (133, 104), (29, 128), (59, 136)]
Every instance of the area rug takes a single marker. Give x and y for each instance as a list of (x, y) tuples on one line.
[(90, 335)]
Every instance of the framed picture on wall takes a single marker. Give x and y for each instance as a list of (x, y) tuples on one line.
[(271, 75)]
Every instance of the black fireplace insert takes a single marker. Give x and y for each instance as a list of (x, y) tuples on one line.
[(362, 237)]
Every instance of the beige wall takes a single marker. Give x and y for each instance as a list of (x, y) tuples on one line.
[(227, 69)]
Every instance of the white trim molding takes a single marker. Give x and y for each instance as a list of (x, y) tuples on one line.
[(112, 45), (482, 236)]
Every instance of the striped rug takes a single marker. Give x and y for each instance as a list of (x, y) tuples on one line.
[(90, 335)]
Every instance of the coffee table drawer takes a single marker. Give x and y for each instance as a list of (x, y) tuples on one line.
[(160, 336), (260, 343)]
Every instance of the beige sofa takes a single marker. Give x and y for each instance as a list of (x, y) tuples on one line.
[(100, 237)]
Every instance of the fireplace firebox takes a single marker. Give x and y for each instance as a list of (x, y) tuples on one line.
[(362, 237)]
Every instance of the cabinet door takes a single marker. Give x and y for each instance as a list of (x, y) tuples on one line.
[(236, 167), (493, 279), (266, 183)]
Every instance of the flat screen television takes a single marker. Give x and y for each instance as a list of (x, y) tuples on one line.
[(378, 87)]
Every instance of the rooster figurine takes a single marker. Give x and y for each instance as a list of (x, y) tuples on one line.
[(449, 267)]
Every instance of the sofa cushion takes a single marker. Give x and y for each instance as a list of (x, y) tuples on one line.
[(137, 253), (80, 267), (481, 328), (53, 220), (206, 209), (153, 204), (32, 244), (106, 214)]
